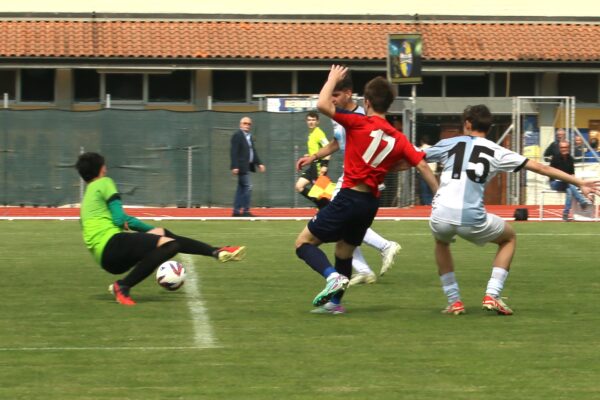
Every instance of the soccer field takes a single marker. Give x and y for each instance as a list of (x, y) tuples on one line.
[(243, 330)]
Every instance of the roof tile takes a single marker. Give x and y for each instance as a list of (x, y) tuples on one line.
[(467, 41)]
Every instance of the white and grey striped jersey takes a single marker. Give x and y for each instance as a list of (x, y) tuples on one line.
[(469, 163)]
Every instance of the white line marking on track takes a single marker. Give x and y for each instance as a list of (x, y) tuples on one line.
[(142, 348), (203, 332)]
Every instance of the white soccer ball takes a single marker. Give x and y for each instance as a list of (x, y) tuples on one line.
[(170, 275)]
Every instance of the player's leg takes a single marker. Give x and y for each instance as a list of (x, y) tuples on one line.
[(145, 252), (497, 231), (388, 249), (193, 246), (343, 264), (362, 210), (326, 227), (363, 274), (445, 263), (507, 243), (303, 186), (307, 249), (444, 235)]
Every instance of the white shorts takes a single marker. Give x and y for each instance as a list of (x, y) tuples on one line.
[(491, 229)]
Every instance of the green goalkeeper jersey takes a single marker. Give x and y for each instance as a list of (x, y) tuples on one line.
[(96, 218)]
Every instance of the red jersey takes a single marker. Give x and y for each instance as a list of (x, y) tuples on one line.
[(373, 147)]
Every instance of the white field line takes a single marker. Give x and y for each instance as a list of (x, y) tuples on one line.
[(203, 332), (100, 348)]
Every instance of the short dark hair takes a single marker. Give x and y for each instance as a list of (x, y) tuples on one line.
[(312, 114), (345, 84), (380, 93), (479, 116), (88, 165)]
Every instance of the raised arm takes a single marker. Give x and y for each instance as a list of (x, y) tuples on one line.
[(587, 186), (324, 104)]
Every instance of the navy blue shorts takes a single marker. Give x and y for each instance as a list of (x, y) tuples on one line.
[(346, 218)]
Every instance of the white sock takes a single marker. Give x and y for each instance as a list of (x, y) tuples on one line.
[(332, 275), (450, 287), (359, 263), (496, 282), (375, 240)]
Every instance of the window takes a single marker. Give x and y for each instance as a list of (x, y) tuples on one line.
[(583, 86), (431, 87), (87, 85), (271, 82), (404, 90), (467, 86), (521, 84), (173, 87), (229, 86), (8, 83), (311, 82), (125, 86), (37, 85)]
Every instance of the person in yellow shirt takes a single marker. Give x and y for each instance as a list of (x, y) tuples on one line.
[(316, 140)]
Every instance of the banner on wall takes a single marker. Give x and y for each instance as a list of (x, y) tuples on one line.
[(278, 104), (404, 58)]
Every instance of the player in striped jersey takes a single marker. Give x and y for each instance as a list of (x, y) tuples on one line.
[(469, 163)]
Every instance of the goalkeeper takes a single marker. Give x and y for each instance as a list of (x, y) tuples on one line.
[(107, 233)]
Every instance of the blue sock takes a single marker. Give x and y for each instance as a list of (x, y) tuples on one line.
[(344, 267), (315, 258)]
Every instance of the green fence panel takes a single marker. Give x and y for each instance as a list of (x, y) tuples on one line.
[(157, 158)]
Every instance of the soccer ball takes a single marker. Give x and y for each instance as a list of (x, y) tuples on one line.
[(170, 275)]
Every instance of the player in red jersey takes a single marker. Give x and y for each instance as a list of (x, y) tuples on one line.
[(373, 147)]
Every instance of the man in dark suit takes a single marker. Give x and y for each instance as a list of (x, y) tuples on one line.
[(244, 159)]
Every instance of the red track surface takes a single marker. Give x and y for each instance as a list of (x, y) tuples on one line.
[(417, 212)]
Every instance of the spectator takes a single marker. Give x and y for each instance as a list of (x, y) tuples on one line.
[(565, 163), (579, 150), (244, 159), (552, 149)]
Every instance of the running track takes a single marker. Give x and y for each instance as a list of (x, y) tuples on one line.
[(217, 213)]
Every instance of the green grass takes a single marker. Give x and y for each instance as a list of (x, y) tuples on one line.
[(63, 337)]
